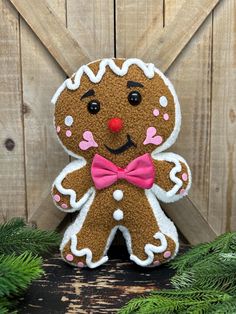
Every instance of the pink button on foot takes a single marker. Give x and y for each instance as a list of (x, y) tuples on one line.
[(156, 263), (56, 198), (80, 264), (69, 257), (167, 254), (64, 206), (184, 176), (182, 192)]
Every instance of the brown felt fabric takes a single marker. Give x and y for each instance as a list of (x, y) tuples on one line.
[(112, 92), (138, 219), (163, 169), (80, 180)]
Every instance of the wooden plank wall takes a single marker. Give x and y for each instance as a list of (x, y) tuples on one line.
[(203, 75)]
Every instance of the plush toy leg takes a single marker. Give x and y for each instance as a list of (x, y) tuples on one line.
[(85, 242), (154, 240)]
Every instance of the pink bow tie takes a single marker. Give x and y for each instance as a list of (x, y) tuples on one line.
[(139, 172)]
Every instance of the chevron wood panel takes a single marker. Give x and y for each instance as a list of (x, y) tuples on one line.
[(188, 38)]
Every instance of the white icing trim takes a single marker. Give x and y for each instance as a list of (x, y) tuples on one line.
[(148, 69), (150, 249), (75, 205), (74, 229), (173, 136), (171, 196), (166, 226)]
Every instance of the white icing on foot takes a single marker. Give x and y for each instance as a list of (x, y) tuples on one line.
[(118, 195), (118, 214)]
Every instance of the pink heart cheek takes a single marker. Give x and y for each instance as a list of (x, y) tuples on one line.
[(151, 138), (151, 132), (89, 141), (157, 140), (84, 145), (88, 136)]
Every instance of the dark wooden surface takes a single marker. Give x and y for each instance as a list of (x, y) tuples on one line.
[(64, 289)]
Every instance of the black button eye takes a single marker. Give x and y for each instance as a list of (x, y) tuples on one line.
[(93, 106), (134, 98)]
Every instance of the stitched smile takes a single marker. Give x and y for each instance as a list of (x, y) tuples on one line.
[(122, 148)]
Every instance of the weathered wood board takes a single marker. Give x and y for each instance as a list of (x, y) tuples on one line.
[(106, 289), (200, 62)]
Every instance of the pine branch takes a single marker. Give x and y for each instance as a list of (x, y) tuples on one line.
[(16, 237), (225, 243), (176, 301), (5, 305), (215, 271), (225, 307), (17, 272)]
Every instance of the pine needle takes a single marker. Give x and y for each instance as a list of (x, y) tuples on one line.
[(205, 282), (214, 270), (175, 301), (17, 272), (4, 305), (226, 243), (16, 237)]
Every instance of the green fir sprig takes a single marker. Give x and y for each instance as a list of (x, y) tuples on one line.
[(208, 266), (16, 237), (17, 272), (205, 282), (20, 264), (176, 301)]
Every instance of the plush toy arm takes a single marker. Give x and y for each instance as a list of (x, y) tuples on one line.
[(73, 187), (173, 177)]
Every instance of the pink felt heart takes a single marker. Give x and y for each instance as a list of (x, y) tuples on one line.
[(152, 138), (88, 141)]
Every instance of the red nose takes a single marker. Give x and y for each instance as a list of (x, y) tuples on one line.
[(115, 124)]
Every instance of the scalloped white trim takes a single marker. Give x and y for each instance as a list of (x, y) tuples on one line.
[(150, 249), (171, 196), (148, 69), (165, 224), (73, 166)]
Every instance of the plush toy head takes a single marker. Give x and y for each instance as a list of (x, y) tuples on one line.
[(119, 116), (117, 108)]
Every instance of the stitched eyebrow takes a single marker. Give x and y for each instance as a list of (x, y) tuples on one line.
[(90, 92), (134, 84)]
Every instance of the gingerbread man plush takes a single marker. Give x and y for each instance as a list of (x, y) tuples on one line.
[(116, 117)]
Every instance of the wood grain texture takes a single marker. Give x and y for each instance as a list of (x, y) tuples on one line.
[(44, 154), (189, 221), (12, 184), (53, 34), (168, 44), (106, 289), (191, 76), (134, 19), (92, 25), (222, 196), (87, 15), (190, 87)]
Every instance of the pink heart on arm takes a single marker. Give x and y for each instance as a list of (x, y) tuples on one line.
[(151, 138), (88, 141)]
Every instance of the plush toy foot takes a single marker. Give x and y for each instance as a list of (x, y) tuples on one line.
[(74, 260), (158, 250), (70, 258)]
